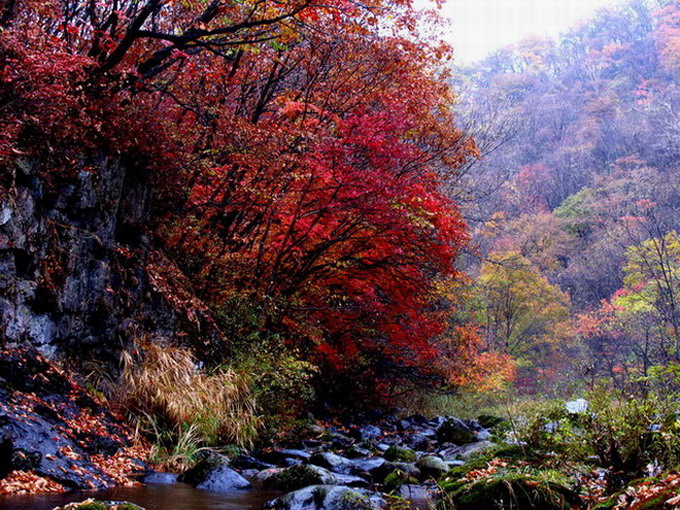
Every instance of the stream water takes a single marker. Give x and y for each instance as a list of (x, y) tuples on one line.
[(150, 497)]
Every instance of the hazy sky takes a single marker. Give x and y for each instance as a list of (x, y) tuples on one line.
[(482, 26)]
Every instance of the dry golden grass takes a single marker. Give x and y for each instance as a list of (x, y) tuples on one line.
[(162, 384)]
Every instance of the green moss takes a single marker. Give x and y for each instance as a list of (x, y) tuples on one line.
[(396, 479), (514, 492), (293, 478), (400, 454)]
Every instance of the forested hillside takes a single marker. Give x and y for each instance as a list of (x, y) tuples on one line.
[(260, 253), (574, 204)]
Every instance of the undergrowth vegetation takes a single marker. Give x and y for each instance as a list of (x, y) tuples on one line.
[(182, 407), (610, 446)]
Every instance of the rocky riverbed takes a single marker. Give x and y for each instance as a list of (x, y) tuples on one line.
[(55, 437), (371, 465)]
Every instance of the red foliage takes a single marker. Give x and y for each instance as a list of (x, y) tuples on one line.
[(306, 143)]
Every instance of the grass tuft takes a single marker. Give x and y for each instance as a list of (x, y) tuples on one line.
[(183, 406)]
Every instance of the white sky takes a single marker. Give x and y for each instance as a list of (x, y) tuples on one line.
[(481, 26)]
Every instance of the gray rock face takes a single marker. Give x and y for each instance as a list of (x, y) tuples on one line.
[(40, 424), (67, 283), (326, 497), (223, 479)]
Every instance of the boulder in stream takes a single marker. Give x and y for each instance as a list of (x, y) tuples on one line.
[(328, 497)]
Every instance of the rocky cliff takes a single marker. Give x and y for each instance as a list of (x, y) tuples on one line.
[(72, 260)]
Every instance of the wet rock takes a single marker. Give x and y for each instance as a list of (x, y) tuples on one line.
[(414, 492), (250, 474), (419, 442), (367, 467), (333, 462), (199, 472), (453, 430), (223, 479), (250, 462), (431, 466), (474, 425), (368, 432), (482, 435), (326, 497), (356, 452), (436, 421), (298, 477), (340, 441), (161, 479), (46, 424), (285, 456), (404, 425)]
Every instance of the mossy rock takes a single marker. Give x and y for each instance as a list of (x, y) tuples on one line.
[(455, 431), (398, 478), (400, 454), (201, 469), (432, 467), (514, 492), (91, 504), (296, 477)]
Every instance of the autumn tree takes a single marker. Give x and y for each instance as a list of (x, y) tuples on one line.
[(521, 312), (297, 151)]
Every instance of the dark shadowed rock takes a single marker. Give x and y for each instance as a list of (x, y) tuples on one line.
[(373, 467), (283, 457), (418, 419), (6, 453), (356, 452), (250, 462), (326, 497), (367, 432), (332, 462), (419, 442), (44, 422), (453, 430)]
